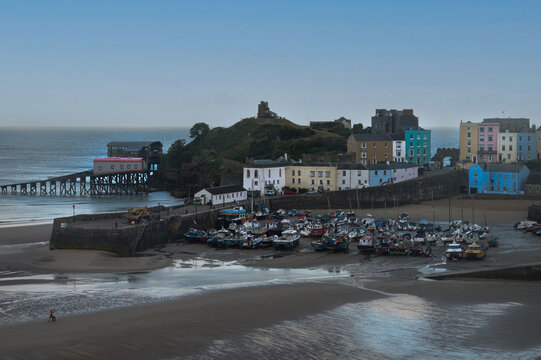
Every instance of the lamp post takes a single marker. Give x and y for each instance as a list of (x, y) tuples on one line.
[(73, 212)]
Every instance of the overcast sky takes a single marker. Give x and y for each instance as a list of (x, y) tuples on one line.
[(174, 63)]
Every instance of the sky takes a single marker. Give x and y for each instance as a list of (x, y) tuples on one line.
[(174, 63)]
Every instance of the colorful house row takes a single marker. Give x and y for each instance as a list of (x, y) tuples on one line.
[(497, 178), (494, 140), (324, 175), (413, 146)]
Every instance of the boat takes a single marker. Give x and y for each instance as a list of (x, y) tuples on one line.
[(420, 237), (398, 248), (475, 251), (492, 242), (196, 236), (454, 251), (366, 244), (383, 248), (317, 230), (332, 243), (420, 251), (262, 241), (288, 241)]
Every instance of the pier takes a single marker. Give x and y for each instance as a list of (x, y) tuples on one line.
[(83, 184)]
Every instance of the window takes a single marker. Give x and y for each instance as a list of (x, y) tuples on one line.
[(99, 168), (359, 182), (469, 135), (386, 145), (256, 173), (298, 173), (418, 143), (424, 144), (490, 138), (469, 152), (256, 183), (374, 161), (503, 147), (374, 156), (292, 173), (489, 129), (376, 173), (418, 152), (411, 144), (343, 182), (519, 147), (511, 147), (320, 182), (384, 172), (122, 166), (129, 166), (411, 136), (280, 172), (269, 173), (469, 142), (328, 174), (398, 153), (359, 173), (298, 181), (363, 155), (529, 138), (312, 173), (374, 145), (363, 145), (510, 138), (248, 173), (328, 182), (363, 162), (529, 148), (520, 138), (482, 138), (411, 152), (343, 173), (508, 156), (475, 182), (503, 138), (505, 175), (424, 151), (418, 136), (482, 129), (475, 174), (490, 148), (386, 155), (513, 176), (313, 182), (112, 167), (481, 148), (320, 174)]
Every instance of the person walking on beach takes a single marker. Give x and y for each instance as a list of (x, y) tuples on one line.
[(52, 316)]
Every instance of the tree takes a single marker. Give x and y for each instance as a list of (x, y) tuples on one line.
[(199, 129), (173, 157), (360, 129)]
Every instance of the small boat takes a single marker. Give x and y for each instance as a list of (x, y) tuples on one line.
[(196, 236), (454, 251), (475, 251), (420, 251), (399, 248), (366, 244), (420, 237), (492, 242), (317, 230), (383, 248), (288, 241)]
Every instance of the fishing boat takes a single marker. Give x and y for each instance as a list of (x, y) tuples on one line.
[(352, 218), (288, 241), (420, 251), (332, 243), (383, 248), (317, 230), (398, 248), (196, 236), (454, 251), (475, 251), (420, 237), (366, 244)]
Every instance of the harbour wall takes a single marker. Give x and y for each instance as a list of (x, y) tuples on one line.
[(407, 192), (534, 213), (127, 240), (524, 272)]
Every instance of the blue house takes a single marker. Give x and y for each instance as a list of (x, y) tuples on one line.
[(379, 174), (526, 147), (497, 178), (417, 146)]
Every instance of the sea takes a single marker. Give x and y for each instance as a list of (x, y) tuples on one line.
[(30, 154)]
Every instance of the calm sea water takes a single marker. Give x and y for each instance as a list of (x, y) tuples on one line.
[(36, 154)]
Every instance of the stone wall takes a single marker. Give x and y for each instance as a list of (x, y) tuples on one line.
[(534, 213), (407, 192)]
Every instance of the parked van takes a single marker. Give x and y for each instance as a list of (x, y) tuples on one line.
[(270, 192)]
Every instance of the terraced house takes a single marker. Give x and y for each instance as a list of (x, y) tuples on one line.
[(371, 148), (312, 176), (418, 145)]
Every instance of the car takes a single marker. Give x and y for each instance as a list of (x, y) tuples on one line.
[(289, 192), (311, 192), (270, 192)]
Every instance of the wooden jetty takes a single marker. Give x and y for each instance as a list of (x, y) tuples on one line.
[(83, 184)]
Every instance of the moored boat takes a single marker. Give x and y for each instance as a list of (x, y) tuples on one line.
[(288, 241), (366, 244), (196, 236), (475, 251), (317, 230), (454, 251)]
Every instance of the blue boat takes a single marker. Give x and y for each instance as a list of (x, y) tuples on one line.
[(194, 236), (288, 241)]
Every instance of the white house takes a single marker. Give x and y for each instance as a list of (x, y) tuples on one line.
[(222, 194), (264, 174), (399, 151), (352, 176), (403, 171)]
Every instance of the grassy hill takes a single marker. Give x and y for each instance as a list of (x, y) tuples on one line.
[(254, 138)]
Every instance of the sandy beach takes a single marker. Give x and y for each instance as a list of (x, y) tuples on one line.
[(189, 325)]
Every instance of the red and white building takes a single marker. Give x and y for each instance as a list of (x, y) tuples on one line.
[(105, 166)]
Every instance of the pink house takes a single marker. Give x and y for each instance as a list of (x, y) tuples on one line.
[(488, 142)]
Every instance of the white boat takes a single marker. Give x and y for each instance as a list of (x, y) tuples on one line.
[(289, 240), (454, 251)]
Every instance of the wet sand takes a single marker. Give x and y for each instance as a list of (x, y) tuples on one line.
[(176, 328)]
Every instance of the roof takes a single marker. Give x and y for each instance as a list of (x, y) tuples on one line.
[(218, 190), (112, 159), (133, 145), (534, 178), (504, 167), (392, 165), (351, 166), (372, 137), (397, 137), (314, 164)]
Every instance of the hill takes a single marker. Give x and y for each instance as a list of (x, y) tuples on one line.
[(212, 152)]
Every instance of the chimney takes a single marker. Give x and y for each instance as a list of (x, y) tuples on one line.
[(407, 111)]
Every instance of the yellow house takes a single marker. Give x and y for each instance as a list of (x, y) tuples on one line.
[(468, 141), (312, 176)]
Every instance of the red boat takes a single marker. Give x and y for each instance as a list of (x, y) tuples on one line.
[(317, 231)]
